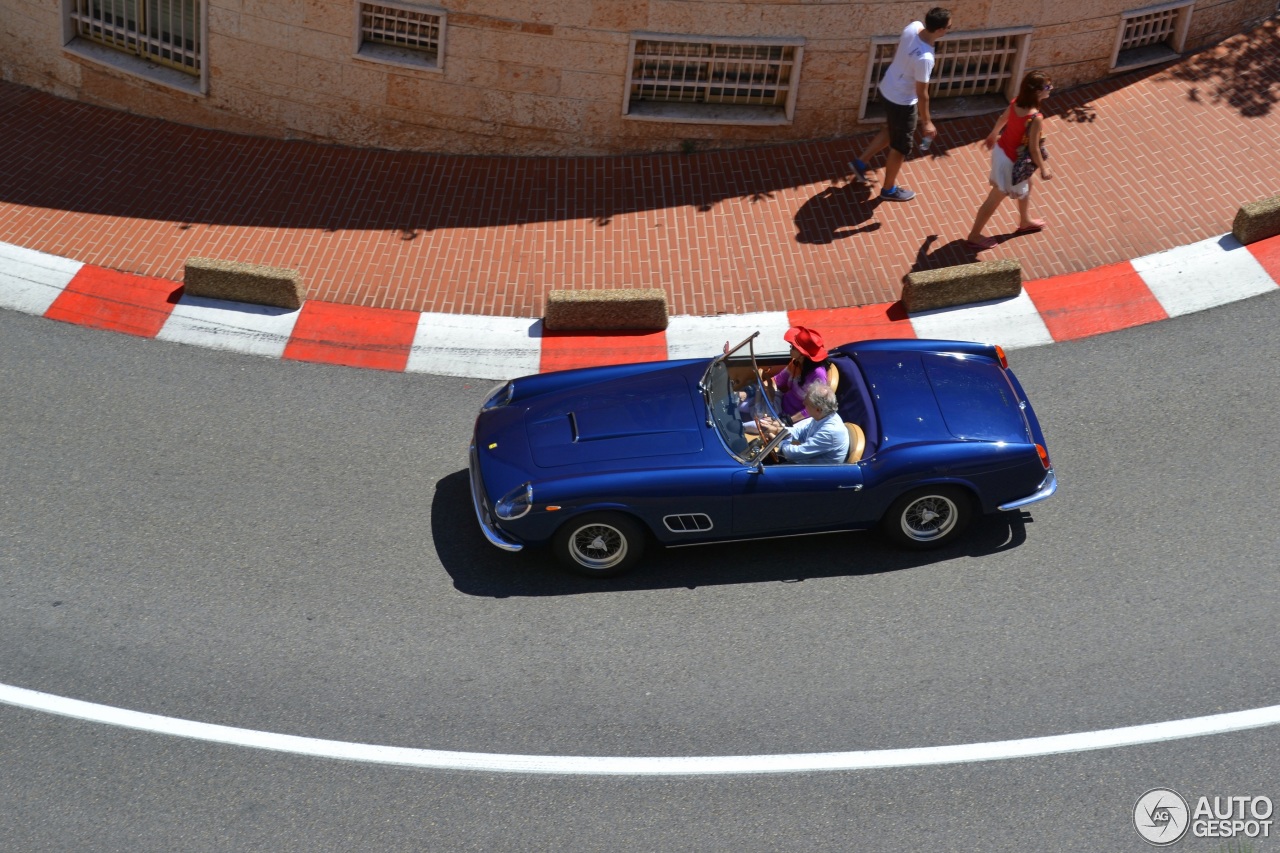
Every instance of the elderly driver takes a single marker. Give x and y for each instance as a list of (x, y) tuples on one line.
[(822, 438)]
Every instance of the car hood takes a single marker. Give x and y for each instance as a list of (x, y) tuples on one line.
[(634, 418), (941, 397)]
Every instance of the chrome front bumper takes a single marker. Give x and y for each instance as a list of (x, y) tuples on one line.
[(495, 536), (1047, 487)]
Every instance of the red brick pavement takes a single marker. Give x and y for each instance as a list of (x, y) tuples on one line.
[(1141, 163)]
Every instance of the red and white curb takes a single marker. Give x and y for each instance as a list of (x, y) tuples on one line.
[(1167, 284)]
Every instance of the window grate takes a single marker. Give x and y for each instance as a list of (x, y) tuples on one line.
[(740, 74), (1152, 28), (401, 27), (164, 31), (964, 67), (1150, 35)]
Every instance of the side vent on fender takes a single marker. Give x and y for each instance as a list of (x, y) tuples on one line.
[(693, 523)]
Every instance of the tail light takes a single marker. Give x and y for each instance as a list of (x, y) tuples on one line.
[(1004, 362), (1044, 456)]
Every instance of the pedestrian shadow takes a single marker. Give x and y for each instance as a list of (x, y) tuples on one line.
[(957, 251), (836, 213), (952, 253)]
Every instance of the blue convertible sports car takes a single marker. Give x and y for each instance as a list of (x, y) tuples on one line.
[(599, 461)]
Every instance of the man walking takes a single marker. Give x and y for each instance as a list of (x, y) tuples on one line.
[(904, 88)]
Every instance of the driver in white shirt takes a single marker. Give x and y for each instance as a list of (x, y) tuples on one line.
[(821, 438)]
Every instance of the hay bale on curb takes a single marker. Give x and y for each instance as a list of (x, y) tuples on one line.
[(961, 285), (639, 308), (1257, 220), (238, 282)]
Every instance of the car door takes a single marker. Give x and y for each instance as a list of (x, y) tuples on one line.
[(788, 498)]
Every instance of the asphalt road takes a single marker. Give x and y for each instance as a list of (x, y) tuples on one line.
[(290, 548)]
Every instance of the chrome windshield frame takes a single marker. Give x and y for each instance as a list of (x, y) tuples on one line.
[(705, 386)]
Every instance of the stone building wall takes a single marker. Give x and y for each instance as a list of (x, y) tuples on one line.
[(544, 77)]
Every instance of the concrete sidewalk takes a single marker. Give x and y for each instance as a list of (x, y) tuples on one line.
[(1143, 163)]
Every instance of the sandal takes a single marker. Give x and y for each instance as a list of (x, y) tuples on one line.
[(1036, 225), (981, 245)]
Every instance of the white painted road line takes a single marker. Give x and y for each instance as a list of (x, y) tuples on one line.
[(237, 326), (645, 766), (1203, 275), (30, 280)]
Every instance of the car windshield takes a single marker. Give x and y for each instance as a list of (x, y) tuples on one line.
[(733, 394)]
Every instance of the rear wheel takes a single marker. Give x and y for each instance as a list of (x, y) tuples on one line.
[(929, 517), (600, 544)]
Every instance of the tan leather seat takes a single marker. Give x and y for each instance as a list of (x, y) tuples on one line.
[(857, 442), (833, 376)]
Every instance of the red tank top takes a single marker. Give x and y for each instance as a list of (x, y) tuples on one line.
[(1015, 131)]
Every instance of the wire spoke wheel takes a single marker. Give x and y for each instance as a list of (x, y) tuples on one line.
[(929, 517), (600, 544)]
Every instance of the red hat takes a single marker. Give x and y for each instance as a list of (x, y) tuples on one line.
[(808, 341)]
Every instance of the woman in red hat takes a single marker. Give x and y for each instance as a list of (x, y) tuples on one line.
[(788, 384)]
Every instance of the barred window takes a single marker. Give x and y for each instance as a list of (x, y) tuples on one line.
[(167, 32), (973, 73), (400, 33), (707, 79), (1151, 35)]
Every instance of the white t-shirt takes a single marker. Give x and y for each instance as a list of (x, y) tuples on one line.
[(912, 63)]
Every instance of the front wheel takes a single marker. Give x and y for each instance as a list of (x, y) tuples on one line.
[(600, 544), (928, 518)]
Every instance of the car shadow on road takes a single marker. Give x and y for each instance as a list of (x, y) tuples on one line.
[(477, 568)]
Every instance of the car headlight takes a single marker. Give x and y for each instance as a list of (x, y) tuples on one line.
[(499, 396), (515, 503)]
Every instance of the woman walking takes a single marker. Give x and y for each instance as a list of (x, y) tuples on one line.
[(1020, 125)]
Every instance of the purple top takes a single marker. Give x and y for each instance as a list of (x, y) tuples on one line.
[(792, 403)]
